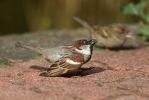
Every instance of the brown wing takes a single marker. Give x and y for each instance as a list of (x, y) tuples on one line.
[(66, 64)]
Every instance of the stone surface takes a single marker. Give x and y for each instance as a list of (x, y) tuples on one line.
[(117, 75)]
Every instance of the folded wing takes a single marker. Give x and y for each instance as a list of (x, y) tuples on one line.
[(66, 64)]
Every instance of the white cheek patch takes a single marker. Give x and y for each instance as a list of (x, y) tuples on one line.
[(85, 50), (72, 62)]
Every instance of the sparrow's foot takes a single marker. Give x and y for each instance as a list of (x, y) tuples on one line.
[(85, 69), (43, 74)]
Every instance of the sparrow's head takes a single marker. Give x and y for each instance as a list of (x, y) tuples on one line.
[(84, 46)]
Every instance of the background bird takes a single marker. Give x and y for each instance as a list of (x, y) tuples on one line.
[(113, 36)]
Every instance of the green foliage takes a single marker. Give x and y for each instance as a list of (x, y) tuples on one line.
[(36, 89), (138, 10), (4, 63), (100, 48), (144, 30), (20, 74)]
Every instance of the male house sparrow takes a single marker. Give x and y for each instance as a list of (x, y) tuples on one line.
[(113, 36), (65, 59)]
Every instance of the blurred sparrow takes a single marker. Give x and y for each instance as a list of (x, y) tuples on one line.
[(65, 59), (113, 36)]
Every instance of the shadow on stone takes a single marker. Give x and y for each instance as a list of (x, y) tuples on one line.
[(87, 71), (83, 72), (38, 68)]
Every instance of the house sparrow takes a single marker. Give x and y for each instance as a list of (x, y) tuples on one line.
[(65, 59), (113, 36)]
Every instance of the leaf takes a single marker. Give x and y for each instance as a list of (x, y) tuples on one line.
[(135, 9), (144, 30), (147, 18), (129, 9)]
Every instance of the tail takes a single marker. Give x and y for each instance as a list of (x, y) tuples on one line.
[(84, 23), (20, 45)]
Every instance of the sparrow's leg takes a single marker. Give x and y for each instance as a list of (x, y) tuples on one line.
[(85, 69)]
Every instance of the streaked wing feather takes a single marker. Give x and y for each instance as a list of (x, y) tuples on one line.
[(56, 72), (62, 67)]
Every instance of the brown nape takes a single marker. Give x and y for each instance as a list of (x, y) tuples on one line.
[(68, 48), (78, 43)]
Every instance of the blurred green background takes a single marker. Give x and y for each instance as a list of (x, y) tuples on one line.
[(19, 16)]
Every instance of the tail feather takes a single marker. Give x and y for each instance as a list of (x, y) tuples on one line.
[(20, 45), (84, 23)]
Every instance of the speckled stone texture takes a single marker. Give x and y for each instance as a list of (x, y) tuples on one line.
[(117, 75)]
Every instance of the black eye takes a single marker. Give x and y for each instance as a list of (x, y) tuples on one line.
[(86, 42)]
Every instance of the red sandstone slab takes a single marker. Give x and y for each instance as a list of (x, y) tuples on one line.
[(126, 78)]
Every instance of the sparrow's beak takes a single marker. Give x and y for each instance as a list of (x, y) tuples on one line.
[(91, 42)]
